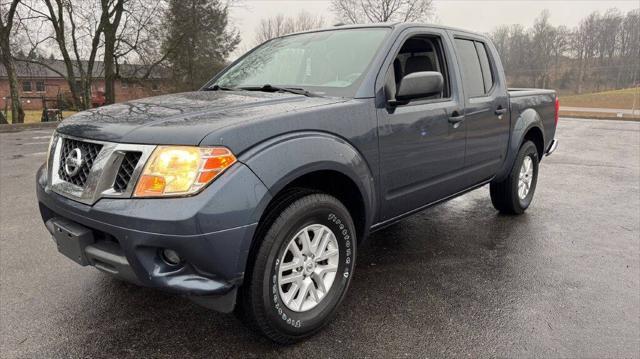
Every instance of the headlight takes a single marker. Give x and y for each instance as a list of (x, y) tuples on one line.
[(182, 170)]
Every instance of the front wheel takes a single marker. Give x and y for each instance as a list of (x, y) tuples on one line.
[(514, 194), (302, 269)]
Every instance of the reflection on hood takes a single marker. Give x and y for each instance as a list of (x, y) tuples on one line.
[(184, 118)]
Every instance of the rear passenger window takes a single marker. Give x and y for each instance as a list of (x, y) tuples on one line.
[(476, 70), (486, 68)]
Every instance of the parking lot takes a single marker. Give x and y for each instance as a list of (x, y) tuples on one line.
[(563, 280)]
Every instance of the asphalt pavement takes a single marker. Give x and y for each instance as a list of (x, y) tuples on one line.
[(456, 280)]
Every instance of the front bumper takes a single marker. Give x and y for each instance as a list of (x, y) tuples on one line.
[(211, 231)]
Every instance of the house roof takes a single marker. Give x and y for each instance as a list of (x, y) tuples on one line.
[(52, 69)]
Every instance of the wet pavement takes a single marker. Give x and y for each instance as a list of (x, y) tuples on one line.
[(563, 280)]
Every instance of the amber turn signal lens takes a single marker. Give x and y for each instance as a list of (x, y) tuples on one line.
[(182, 170), (150, 186), (216, 162)]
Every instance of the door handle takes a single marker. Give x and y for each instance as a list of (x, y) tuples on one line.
[(500, 111), (456, 117)]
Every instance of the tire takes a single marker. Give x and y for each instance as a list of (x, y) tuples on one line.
[(505, 195), (262, 297)]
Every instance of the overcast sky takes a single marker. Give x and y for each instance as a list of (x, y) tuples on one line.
[(475, 15)]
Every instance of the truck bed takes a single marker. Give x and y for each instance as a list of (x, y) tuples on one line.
[(541, 101)]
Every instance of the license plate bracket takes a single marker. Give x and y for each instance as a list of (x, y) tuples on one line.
[(71, 239)]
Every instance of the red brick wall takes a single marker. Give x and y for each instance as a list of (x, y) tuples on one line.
[(32, 100), (52, 86), (126, 91)]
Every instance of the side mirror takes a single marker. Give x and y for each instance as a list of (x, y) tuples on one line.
[(418, 84)]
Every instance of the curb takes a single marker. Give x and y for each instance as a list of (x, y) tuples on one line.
[(608, 118), (28, 126)]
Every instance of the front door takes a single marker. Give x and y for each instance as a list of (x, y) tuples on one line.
[(421, 143)]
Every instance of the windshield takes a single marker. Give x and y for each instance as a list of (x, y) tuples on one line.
[(327, 62)]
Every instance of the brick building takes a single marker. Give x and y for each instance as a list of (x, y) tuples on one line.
[(38, 81)]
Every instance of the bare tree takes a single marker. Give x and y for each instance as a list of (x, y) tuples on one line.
[(112, 11), (607, 38), (630, 48), (520, 49), (585, 45), (132, 31), (543, 37), (600, 53), (374, 11), (57, 18), (500, 37), (81, 32), (75, 31), (139, 39), (280, 25), (560, 45), (7, 16)]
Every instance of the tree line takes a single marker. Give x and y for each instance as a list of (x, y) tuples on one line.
[(192, 39), (600, 53), (347, 12)]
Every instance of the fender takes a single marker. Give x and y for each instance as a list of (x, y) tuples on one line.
[(280, 160), (527, 119)]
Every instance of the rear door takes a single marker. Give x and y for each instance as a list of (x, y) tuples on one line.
[(421, 143), (486, 107)]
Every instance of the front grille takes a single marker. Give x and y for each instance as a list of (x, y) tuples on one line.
[(89, 151), (125, 172)]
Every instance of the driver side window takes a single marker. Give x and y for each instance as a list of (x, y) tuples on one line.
[(418, 53)]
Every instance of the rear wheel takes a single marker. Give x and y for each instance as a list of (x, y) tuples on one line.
[(302, 268), (514, 194)]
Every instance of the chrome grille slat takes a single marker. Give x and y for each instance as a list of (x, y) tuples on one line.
[(111, 171), (127, 167)]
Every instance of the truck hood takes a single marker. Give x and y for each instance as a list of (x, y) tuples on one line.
[(184, 118)]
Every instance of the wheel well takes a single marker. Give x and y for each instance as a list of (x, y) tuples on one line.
[(331, 182), (535, 135), (335, 184)]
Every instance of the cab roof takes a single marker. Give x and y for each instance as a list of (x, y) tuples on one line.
[(399, 26)]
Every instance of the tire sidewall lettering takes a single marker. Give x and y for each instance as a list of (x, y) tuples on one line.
[(296, 320)]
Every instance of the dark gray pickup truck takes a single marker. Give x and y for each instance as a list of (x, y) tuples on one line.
[(253, 193)]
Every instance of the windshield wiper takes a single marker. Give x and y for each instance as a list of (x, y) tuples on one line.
[(270, 88), (222, 88)]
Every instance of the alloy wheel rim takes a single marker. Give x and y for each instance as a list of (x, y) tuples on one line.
[(525, 178), (308, 267)]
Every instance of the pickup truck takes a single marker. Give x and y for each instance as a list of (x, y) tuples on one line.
[(253, 194)]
